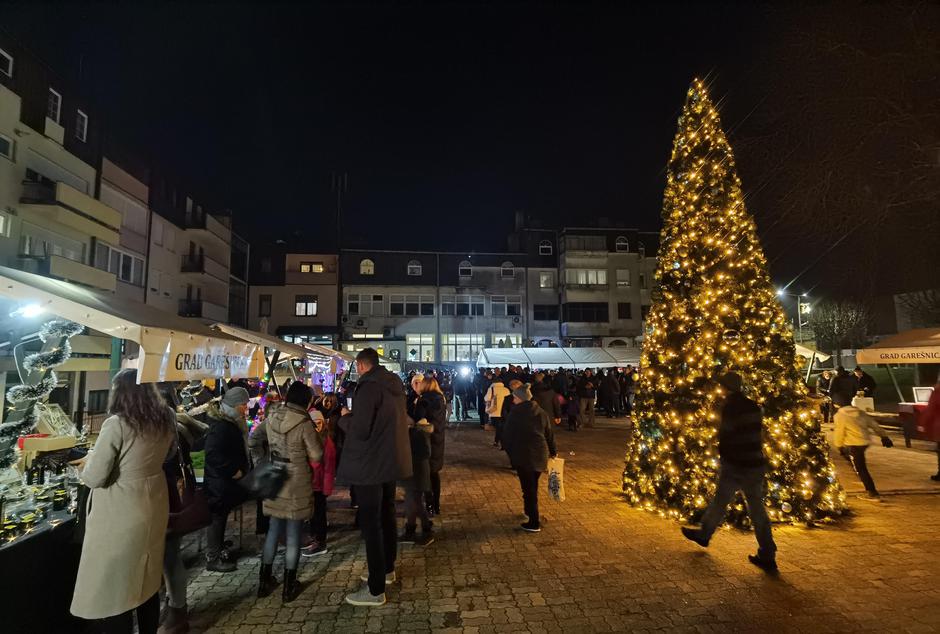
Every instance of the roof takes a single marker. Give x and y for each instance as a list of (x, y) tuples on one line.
[(577, 358), (913, 346)]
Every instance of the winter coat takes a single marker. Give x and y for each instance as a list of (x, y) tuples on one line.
[(612, 385), (545, 396), (226, 456), (528, 437), (587, 387), (431, 407), (324, 472), (419, 436), (741, 432), (127, 512), (854, 427), (495, 395), (843, 388), (866, 383), (376, 447), (294, 444)]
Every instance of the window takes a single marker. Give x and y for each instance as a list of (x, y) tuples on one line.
[(305, 305), (128, 268), (462, 305), (264, 305), (592, 312), (545, 312), (465, 269), (624, 310), (81, 126), (545, 247), (622, 245), (311, 267), (623, 278), (586, 277), (6, 63), (641, 249), (97, 401), (420, 348), (586, 243), (461, 347), (506, 305), (643, 281), (365, 304), (507, 271), (54, 106), (366, 267), (6, 147), (414, 267), (411, 305), (506, 341), (265, 265), (644, 311), (546, 279)]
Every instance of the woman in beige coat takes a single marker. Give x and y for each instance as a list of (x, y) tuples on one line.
[(122, 555), (293, 444)]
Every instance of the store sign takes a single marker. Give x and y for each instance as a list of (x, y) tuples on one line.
[(899, 355), (171, 356)]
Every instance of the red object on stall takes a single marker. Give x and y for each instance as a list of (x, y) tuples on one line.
[(19, 443)]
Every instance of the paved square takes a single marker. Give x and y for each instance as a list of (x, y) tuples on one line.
[(600, 565)]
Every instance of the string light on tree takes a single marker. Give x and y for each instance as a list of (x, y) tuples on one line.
[(715, 311)]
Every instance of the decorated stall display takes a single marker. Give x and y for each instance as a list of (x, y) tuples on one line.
[(718, 313)]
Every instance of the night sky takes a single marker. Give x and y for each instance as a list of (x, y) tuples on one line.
[(449, 118)]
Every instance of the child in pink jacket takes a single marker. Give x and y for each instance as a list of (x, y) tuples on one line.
[(324, 476)]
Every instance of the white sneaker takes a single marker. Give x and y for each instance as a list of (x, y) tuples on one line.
[(364, 598), (389, 577)]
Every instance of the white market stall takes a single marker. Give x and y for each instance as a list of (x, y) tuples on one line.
[(324, 365), (918, 347), (550, 358), (276, 351), (813, 356)]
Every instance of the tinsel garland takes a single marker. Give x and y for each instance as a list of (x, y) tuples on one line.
[(23, 393), (59, 328), (41, 361)]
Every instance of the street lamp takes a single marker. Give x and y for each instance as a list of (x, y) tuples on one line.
[(802, 308)]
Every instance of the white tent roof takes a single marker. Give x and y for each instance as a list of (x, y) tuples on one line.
[(913, 346), (288, 350), (808, 353), (173, 348), (577, 358)]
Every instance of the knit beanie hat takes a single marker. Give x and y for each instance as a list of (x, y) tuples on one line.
[(523, 393), (235, 396)]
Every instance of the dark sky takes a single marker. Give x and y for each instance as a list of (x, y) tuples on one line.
[(447, 118)]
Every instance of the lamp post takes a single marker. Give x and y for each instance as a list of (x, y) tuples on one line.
[(803, 307)]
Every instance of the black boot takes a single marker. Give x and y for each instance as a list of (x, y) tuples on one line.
[(175, 622), (267, 581), (292, 587)]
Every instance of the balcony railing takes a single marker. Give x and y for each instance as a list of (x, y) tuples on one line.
[(63, 268), (589, 287), (202, 264), (205, 222), (62, 203)]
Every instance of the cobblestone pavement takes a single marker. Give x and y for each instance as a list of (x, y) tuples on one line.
[(599, 565)]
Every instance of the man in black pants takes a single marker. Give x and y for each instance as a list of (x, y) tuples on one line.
[(377, 453), (852, 436)]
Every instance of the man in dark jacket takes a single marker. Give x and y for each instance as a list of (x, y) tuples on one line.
[(226, 463), (612, 394), (545, 396), (742, 468), (587, 390), (628, 389), (843, 388), (865, 381), (529, 440), (376, 453)]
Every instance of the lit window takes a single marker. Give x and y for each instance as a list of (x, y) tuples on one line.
[(545, 247), (81, 126), (465, 269), (461, 347), (366, 267), (264, 305), (4, 224), (54, 106), (305, 305), (420, 348), (414, 268), (311, 267), (506, 341), (6, 147), (507, 270), (622, 245), (546, 279), (6, 63)]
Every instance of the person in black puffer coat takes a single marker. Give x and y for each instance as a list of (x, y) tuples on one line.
[(430, 406), (547, 398)]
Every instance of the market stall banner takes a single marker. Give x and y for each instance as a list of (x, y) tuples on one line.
[(171, 356), (921, 345)]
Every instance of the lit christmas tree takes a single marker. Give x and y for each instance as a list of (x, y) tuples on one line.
[(714, 312)]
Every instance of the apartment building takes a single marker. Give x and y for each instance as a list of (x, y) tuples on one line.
[(294, 295)]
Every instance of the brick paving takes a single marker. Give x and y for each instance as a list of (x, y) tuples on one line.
[(600, 565)]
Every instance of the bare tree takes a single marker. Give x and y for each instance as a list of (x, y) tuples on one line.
[(840, 324), (923, 307)]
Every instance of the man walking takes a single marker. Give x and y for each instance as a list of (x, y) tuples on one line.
[(587, 390), (742, 468), (853, 430), (376, 453)]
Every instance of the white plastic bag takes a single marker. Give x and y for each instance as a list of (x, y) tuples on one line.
[(556, 479)]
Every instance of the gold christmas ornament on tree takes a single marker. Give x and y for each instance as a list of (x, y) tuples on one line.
[(717, 312)]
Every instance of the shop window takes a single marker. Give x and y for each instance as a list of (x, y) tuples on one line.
[(420, 348)]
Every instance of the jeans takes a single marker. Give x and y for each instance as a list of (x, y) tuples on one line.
[(377, 523), (529, 480), (481, 408), (750, 481), (433, 497), (498, 424), (292, 552), (630, 397), (318, 521), (460, 407), (415, 510), (174, 573), (857, 452), (148, 619), (215, 535), (586, 411)]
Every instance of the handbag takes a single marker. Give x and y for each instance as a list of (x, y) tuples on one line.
[(189, 508), (264, 482)]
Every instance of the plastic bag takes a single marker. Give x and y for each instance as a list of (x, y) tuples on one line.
[(556, 479)]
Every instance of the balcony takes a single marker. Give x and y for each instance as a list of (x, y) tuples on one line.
[(201, 264), (585, 287), (42, 203), (202, 309), (69, 270), (207, 224)]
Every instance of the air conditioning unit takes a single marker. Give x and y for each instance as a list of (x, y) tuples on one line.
[(360, 323), (386, 332), (516, 320), (345, 319), (394, 354)]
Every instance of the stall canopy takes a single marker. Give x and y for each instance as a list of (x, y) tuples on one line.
[(914, 346), (809, 353), (286, 349), (575, 358), (173, 348)]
